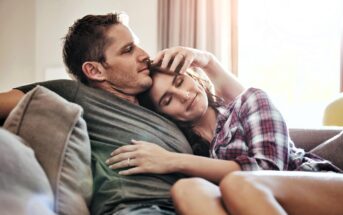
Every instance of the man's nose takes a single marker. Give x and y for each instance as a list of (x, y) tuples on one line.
[(142, 55)]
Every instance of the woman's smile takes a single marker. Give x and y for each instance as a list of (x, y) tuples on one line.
[(192, 103)]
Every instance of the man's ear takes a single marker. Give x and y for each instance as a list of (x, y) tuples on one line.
[(93, 70)]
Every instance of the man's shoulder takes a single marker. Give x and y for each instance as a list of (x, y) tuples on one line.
[(63, 87), (59, 83)]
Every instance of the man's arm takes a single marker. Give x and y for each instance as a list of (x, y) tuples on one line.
[(8, 101)]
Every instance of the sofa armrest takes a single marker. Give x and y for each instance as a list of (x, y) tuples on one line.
[(309, 138)]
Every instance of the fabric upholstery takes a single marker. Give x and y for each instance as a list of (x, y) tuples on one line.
[(24, 187), (309, 138), (332, 150), (55, 130)]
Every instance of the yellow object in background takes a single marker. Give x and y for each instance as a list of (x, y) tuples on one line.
[(333, 113)]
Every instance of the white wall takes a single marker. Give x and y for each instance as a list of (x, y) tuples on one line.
[(45, 22)]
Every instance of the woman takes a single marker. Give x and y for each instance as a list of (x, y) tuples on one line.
[(241, 127)]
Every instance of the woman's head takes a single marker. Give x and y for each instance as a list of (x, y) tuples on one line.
[(183, 97)]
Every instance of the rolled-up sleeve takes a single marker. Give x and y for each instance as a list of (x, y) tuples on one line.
[(253, 133), (265, 133)]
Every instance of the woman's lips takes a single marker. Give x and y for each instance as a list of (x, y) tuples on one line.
[(192, 102)]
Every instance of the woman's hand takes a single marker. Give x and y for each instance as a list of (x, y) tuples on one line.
[(143, 157), (179, 59)]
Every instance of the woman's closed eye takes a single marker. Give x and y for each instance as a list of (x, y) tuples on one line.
[(166, 100)]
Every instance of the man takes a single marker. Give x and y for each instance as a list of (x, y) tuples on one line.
[(102, 53)]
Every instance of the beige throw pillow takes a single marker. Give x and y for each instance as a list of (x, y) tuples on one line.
[(55, 130)]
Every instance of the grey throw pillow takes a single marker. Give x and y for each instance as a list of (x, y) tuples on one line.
[(331, 150), (55, 130), (24, 187)]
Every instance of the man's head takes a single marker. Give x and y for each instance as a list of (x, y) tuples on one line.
[(102, 51)]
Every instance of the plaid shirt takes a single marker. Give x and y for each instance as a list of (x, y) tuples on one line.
[(252, 132)]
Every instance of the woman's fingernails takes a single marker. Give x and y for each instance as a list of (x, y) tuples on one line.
[(107, 161)]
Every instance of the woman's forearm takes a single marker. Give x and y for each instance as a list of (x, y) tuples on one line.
[(211, 169), (226, 84)]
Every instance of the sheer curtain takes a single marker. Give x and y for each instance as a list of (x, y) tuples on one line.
[(202, 24)]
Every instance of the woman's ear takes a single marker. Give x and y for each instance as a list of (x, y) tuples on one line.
[(93, 70)]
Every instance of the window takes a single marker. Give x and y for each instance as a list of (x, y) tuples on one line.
[(291, 49)]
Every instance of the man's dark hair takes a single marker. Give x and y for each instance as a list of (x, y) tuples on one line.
[(86, 41)]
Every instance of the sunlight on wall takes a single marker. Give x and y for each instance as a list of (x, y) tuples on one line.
[(291, 49)]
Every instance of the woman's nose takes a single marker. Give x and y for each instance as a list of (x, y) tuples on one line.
[(184, 95)]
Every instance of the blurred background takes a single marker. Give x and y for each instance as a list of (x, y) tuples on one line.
[(292, 49)]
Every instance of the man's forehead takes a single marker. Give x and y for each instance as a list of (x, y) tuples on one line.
[(121, 35)]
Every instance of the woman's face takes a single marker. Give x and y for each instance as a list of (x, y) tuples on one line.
[(179, 96)]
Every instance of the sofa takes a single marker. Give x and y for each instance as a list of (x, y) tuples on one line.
[(46, 155)]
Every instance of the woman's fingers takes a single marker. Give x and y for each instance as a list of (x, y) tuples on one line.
[(176, 59), (120, 157), (166, 59), (131, 171), (158, 58), (122, 149), (187, 63), (129, 162), (177, 62), (179, 59), (141, 157)]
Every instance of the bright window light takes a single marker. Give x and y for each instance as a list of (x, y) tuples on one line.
[(291, 49)]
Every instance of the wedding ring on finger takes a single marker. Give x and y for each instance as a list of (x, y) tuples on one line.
[(128, 162)]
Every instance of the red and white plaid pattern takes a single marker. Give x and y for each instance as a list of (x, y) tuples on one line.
[(252, 132)]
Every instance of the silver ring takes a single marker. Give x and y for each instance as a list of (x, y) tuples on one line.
[(128, 161)]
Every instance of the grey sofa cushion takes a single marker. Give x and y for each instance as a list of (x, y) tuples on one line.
[(332, 150), (55, 130), (24, 187)]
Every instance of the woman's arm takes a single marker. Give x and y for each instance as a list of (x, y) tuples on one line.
[(208, 168), (178, 59), (8, 101), (226, 84), (145, 157)]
